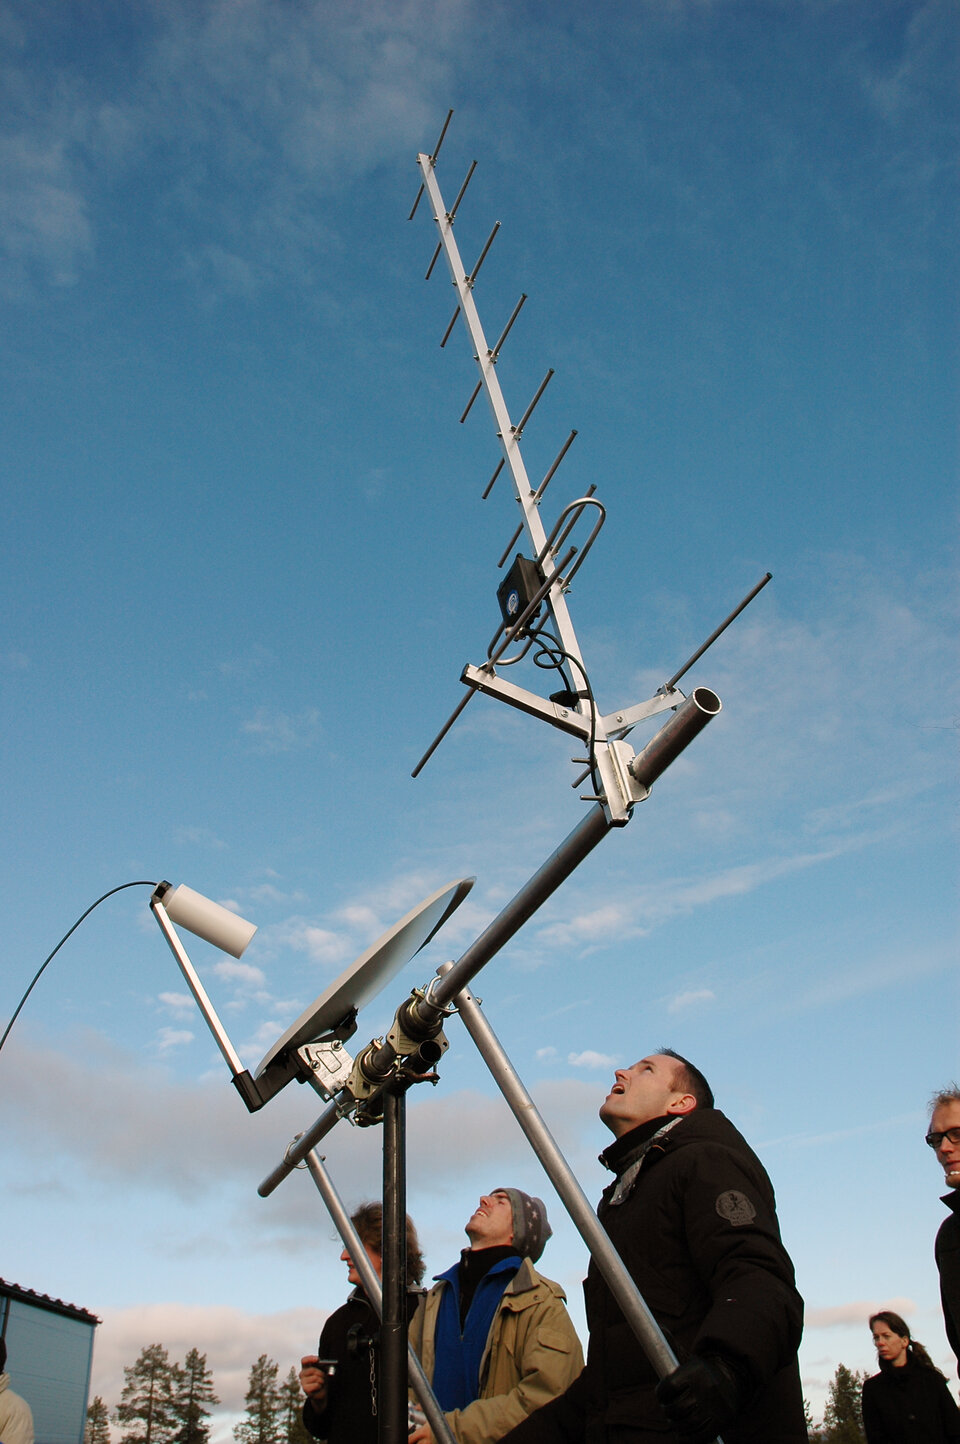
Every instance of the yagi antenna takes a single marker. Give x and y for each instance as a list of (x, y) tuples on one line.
[(536, 622)]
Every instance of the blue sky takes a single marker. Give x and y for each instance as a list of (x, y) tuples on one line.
[(246, 557)]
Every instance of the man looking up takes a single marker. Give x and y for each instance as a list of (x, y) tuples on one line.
[(494, 1335), (692, 1215), (944, 1139)]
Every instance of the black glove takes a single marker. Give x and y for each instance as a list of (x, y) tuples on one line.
[(699, 1398)]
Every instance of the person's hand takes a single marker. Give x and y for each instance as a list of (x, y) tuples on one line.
[(423, 1434), (313, 1381), (700, 1398)]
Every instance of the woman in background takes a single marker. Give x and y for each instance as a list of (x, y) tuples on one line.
[(908, 1402)]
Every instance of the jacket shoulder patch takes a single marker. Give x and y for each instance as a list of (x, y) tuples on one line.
[(735, 1207)]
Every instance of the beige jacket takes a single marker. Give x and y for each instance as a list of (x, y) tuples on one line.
[(16, 1420), (531, 1355)]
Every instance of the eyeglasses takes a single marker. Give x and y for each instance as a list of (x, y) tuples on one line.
[(952, 1135)]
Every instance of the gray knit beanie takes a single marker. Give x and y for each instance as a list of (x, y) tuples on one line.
[(530, 1227)]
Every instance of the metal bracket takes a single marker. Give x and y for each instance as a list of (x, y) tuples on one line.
[(326, 1066)]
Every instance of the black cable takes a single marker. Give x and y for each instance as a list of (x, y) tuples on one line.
[(60, 944), (553, 655), (554, 658)]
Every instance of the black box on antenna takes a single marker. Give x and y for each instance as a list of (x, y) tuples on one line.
[(518, 588)]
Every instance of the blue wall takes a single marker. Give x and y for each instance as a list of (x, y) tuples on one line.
[(48, 1360)]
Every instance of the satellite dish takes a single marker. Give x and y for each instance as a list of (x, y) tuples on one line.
[(334, 1012)]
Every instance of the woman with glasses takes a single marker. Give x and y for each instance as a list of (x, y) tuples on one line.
[(908, 1402)]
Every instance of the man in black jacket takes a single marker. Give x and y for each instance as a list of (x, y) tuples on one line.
[(692, 1214), (944, 1138)]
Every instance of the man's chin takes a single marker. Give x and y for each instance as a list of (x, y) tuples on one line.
[(951, 1177)]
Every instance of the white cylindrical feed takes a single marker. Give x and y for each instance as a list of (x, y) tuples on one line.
[(208, 920)]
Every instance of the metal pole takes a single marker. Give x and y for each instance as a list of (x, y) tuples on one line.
[(371, 1284), (557, 868), (299, 1148), (197, 989), (575, 1201), (393, 1326)]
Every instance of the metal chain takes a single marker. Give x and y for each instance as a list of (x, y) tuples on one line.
[(373, 1378)]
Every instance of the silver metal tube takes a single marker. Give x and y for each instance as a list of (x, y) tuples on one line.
[(506, 330), (443, 732), (197, 988), (558, 866), (443, 131), (436, 257), (549, 476), (371, 1284), (299, 1149), (518, 429), (691, 717), (486, 493), (669, 686), (453, 322), (516, 536), (483, 255), (574, 1200), (476, 393), (461, 192)]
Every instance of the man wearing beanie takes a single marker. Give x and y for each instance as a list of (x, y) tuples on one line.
[(493, 1334)]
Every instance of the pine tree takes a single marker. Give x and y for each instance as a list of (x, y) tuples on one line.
[(813, 1433), (292, 1428), (842, 1419), (97, 1429), (262, 1424), (193, 1388), (146, 1404)]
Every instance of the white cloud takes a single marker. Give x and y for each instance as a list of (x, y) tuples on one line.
[(244, 975), (198, 837), (280, 732), (648, 907), (201, 1136), (44, 219), (168, 1038), (855, 1313), (285, 99), (590, 1059), (600, 925), (361, 918), (694, 998), (178, 1002), (267, 893), (320, 944)]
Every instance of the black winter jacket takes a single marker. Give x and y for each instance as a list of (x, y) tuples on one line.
[(909, 1405), (351, 1336), (947, 1252), (693, 1217)]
